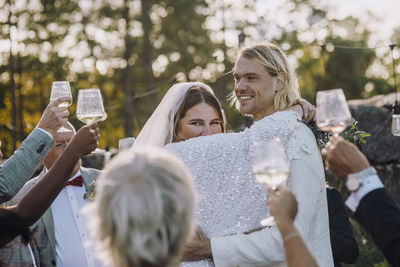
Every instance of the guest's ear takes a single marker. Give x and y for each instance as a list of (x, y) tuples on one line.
[(280, 80)]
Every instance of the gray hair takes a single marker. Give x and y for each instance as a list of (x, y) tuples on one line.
[(143, 210)]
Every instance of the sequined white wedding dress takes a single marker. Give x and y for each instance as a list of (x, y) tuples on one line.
[(231, 202)]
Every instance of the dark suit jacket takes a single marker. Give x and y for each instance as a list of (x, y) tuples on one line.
[(379, 214), (344, 246)]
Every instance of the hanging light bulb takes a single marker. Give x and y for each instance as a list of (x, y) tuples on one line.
[(396, 106), (396, 119)]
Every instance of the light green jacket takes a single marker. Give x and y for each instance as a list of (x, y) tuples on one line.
[(20, 167)]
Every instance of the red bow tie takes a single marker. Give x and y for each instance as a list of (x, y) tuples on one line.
[(78, 181)]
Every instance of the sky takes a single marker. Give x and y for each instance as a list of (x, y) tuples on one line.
[(386, 14)]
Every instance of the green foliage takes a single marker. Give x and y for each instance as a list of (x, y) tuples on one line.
[(118, 46), (351, 134)]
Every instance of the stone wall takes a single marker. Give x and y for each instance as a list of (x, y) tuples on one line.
[(382, 149)]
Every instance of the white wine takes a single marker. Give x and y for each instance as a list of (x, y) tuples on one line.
[(271, 177), (91, 118), (65, 104)]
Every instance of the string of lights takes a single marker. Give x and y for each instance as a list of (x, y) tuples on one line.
[(327, 47)]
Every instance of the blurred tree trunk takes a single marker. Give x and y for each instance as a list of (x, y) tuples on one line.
[(147, 47), (12, 82), (127, 78), (20, 113)]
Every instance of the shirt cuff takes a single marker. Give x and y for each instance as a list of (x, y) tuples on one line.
[(370, 184), (45, 132)]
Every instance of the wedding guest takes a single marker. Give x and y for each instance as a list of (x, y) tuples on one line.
[(21, 166), (61, 236), (15, 220), (283, 206), (344, 246), (142, 214), (373, 207)]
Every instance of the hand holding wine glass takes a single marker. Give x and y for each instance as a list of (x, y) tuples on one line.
[(270, 166), (333, 114), (61, 90), (54, 117), (90, 107)]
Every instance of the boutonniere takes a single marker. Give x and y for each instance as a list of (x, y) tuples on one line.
[(90, 191)]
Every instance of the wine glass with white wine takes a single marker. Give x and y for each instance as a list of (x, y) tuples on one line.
[(90, 107), (333, 114), (270, 166), (59, 90)]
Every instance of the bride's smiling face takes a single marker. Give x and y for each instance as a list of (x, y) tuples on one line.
[(200, 120)]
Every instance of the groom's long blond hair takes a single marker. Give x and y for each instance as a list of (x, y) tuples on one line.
[(275, 61)]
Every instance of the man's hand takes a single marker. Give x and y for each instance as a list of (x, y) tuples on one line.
[(54, 116), (343, 158), (198, 248), (282, 205), (308, 109), (85, 140)]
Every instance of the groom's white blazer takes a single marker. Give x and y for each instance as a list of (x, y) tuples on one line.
[(231, 153)]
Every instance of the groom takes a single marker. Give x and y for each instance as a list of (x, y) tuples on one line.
[(264, 84)]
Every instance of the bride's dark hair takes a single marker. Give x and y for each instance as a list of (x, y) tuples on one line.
[(196, 95)]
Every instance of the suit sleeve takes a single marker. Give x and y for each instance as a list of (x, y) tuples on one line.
[(21, 166), (265, 247), (344, 246), (379, 214)]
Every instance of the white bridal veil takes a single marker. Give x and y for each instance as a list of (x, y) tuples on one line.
[(158, 130)]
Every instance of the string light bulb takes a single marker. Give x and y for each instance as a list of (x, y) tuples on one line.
[(396, 119), (396, 106)]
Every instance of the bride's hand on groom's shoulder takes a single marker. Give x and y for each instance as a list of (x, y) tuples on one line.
[(305, 109)]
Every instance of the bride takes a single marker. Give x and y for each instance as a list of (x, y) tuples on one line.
[(187, 110), (230, 201)]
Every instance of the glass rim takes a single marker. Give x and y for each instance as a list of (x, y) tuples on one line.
[(60, 82), (330, 91), (88, 89)]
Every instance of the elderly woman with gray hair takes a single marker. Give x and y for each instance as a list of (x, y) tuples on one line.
[(142, 214)]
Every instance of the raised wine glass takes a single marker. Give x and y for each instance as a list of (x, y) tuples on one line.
[(90, 107), (270, 166), (61, 89), (333, 114)]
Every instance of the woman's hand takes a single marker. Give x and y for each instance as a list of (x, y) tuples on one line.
[(198, 247), (282, 205), (85, 140), (308, 109)]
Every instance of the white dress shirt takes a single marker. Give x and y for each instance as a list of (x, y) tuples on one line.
[(73, 246), (370, 184)]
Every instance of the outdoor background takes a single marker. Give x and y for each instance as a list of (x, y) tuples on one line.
[(135, 50)]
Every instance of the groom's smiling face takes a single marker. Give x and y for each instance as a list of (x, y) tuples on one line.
[(255, 88)]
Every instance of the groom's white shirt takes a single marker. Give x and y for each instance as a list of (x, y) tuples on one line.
[(306, 180)]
